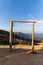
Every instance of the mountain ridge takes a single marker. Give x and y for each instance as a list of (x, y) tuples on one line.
[(4, 37)]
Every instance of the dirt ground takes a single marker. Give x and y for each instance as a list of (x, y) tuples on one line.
[(21, 55)]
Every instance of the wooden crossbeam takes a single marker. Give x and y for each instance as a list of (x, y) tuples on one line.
[(11, 30), (25, 21)]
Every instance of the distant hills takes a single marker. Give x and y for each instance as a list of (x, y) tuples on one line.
[(18, 38)]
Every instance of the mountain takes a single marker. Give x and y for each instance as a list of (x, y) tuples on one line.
[(18, 38)]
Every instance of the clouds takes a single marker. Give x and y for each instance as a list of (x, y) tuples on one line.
[(4, 28), (39, 21), (31, 17), (23, 10)]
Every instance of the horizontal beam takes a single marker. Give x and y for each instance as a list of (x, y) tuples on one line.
[(25, 21)]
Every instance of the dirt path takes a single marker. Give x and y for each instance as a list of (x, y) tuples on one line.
[(20, 57)]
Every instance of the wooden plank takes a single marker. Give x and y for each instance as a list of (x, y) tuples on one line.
[(11, 30), (25, 21), (32, 37)]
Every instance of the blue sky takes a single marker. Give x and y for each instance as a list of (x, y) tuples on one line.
[(21, 10)]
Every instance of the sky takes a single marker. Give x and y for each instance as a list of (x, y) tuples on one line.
[(21, 10)]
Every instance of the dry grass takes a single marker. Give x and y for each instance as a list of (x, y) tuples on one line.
[(21, 55), (36, 47)]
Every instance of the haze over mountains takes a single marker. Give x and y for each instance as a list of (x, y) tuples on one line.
[(19, 37)]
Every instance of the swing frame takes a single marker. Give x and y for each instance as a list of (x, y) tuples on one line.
[(11, 31)]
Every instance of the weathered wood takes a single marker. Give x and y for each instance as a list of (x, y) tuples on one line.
[(11, 30), (23, 21), (32, 37)]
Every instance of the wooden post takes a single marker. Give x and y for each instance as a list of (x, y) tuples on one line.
[(11, 30), (33, 37)]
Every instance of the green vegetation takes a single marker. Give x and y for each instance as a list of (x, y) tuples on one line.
[(18, 38)]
